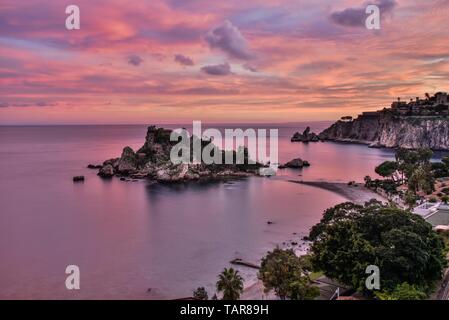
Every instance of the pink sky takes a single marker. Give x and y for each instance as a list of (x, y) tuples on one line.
[(171, 61)]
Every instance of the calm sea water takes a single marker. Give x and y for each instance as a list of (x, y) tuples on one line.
[(127, 237)]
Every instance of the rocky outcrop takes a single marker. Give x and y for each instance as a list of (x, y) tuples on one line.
[(295, 164), (306, 136), (107, 171), (383, 129), (152, 161)]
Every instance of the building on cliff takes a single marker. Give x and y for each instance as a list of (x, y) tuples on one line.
[(420, 123)]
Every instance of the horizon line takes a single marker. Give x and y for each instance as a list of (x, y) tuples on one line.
[(158, 124)]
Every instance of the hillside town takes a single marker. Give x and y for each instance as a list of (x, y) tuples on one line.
[(431, 106)]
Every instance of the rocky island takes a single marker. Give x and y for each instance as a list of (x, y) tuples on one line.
[(152, 161), (306, 136), (420, 123)]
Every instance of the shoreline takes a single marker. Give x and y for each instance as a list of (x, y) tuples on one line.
[(356, 193)]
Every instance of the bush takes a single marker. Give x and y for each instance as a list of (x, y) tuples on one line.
[(403, 291)]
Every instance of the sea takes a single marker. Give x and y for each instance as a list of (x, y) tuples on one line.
[(138, 240)]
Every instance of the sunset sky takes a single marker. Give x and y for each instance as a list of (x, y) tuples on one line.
[(174, 61)]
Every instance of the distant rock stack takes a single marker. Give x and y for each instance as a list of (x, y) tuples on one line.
[(306, 136)]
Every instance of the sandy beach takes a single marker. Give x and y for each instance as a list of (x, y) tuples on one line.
[(356, 193)]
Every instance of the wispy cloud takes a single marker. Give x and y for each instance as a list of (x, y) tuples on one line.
[(135, 60), (184, 60), (218, 69), (355, 17)]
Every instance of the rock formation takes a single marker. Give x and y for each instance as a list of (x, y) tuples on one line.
[(295, 164), (152, 161), (384, 129), (306, 136)]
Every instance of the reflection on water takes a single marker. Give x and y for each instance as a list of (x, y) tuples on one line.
[(127, 237)]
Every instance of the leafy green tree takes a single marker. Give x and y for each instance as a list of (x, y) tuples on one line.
[(230, 283), (445, 199), (445, 161), (403, 291), (302, 289), (200, 294), (282, 271), (403, 245), (410, 199), (368, 181), (439, 170), (422, 180), (387, 169), (409, 160)]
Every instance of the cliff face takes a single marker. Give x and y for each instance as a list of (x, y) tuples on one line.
[(385, 130)]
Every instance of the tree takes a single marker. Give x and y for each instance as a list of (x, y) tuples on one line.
[(409, 160), (200, 294), (282, 271), (445, 199), (410, 199), (387, 169), (445, 160), (230, 283), (422, 180), (403, 291), (302, 289), (368, 181), (403, 245)]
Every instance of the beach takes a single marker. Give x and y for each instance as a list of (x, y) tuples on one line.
[(356, 192)]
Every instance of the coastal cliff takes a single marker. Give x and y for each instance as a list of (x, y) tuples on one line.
[(418, 124), (392, 132)]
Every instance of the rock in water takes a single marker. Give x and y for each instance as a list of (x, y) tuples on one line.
[(127, 164), (78, 179), (297, 163), (94, 166), (306, 136), (106, 171)]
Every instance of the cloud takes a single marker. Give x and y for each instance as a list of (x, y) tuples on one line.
[(355, 17), (217, 70), (28, 104), (183, 60), (318, 67), (135, 60), (229, 39), (249, 67)]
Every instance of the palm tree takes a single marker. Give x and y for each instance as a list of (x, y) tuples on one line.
[(230, 283)]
